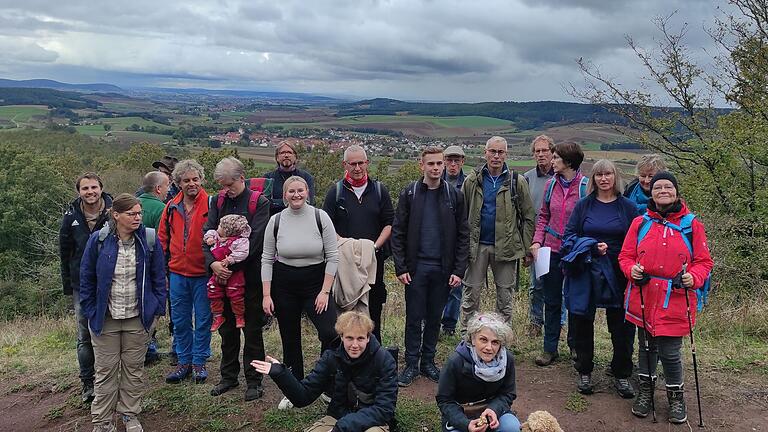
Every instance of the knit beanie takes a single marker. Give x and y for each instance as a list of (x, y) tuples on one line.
[(664, 175)]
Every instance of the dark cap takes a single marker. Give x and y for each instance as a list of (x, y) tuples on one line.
[(167, 162), (664, 175)]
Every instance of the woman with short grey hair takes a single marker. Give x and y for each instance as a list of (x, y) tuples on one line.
[(480, 400), (639, 189)]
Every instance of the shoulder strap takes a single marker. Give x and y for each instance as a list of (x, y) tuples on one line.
[(378, 191), (253, 201), (317, 221), (583, 186), (151, 235), (220, 200), (339, 194), (276, 227), (548, 194)]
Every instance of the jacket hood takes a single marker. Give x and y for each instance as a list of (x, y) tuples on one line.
[(370, 350), (463, 349), (74, 205)]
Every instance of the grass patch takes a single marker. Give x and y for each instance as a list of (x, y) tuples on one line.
[(415, 415), (576, 403), (54, 413), (22, 113), (293, 419)]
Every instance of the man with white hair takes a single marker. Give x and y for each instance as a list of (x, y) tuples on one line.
[(361, 208), (501, 227)]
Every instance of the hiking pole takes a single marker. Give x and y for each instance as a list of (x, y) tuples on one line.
[(693, 351), (646, 347)]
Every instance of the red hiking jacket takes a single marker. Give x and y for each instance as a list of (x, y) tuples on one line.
[(662, 253), (185, 255)]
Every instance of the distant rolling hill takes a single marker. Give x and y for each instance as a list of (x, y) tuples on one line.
[(44, 96), (51, 84)]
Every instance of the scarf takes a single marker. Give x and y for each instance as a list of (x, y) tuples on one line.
[(492, 371), (567, 183), (675, 207), (353, 182)]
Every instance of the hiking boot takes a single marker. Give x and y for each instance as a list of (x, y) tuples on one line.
[(676, 399), (534, 330), (284, 404), (643, 401), (223, 387), (325, 398), (173, 358), (182, 372), (105, 427), (584, 384), (624, 388), (132, 424), (199, 373), (87, 393), (218, 320), (253, 392), (546, 358), (429, 370), (407, 376)]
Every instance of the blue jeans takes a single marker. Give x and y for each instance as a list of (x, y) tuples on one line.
[(507, 423), (536, 295), (84, 348), (193, 346), (452, 308)]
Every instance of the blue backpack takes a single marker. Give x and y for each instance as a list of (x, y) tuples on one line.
[(686, 229)]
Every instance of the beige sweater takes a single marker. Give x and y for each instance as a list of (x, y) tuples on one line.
[(355, 274)]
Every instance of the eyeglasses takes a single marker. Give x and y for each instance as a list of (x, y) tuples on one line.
[(133, 214), (496, 152), (356, 164), (452, 161), (286, 152)]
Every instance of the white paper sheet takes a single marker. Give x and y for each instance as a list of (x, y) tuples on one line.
[(542, 261)]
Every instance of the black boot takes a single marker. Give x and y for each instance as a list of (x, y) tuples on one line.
[(676, 398), (87, 394), (642, 405)]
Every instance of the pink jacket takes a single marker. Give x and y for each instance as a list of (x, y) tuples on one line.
[(556, 214)]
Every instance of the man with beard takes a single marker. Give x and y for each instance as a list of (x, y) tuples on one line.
[(86, 214), (287, 159), (180, 234)]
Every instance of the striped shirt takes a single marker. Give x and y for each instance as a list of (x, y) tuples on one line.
[(123, 301)]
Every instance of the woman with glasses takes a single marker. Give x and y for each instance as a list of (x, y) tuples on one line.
[(591, 245), (122, 292)]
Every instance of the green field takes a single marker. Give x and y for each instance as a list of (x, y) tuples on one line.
[(22, 113), (118, 124), (469, 122)]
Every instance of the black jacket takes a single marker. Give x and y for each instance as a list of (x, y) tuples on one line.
[(459, 385), (278, 179), (364, 389), (453, 228), (73, 235), (257, 221), (362, 218)]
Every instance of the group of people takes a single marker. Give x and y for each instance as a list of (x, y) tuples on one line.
[(230, 260)]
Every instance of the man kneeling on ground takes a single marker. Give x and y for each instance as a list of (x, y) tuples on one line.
[(364, 374)]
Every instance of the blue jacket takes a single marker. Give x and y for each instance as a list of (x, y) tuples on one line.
[(98, 267)]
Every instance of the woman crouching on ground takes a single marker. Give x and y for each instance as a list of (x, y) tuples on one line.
[(362, 373), (665, 255), (122, 292), (477, 383)]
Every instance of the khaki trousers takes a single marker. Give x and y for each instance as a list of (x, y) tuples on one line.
[(119, 381), (503, 276), (327, 423)]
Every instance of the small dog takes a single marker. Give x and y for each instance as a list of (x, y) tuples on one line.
[(541, 421)]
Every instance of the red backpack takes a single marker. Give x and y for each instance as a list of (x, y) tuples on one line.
[(259, 186)]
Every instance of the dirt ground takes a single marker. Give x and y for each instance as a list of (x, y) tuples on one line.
[(738, 403)]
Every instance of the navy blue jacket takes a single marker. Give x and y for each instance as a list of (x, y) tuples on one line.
[(98, 267), (364, 389)]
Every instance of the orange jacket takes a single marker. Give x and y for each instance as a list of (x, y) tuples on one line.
[(184, 254)]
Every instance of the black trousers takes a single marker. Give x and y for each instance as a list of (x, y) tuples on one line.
[(425, 299), (254, 339), (622, 339), (294, 290), (377, 296)]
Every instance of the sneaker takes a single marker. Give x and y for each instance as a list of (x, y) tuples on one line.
[(199, 373), (87, 393), (132, 424), (546, 358), (253, 392), (584, 384), (407, 376), (325, 398), (429, 370), (218, 320), (644, 400), (676, 399), (223, 387), (105, 427), (624, 388), (182, 372), (173, 358), (284, 404)]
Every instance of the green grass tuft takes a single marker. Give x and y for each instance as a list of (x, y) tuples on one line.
[(576, 403)]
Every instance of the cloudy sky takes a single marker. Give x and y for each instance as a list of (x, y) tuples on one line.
[(447, 50)]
